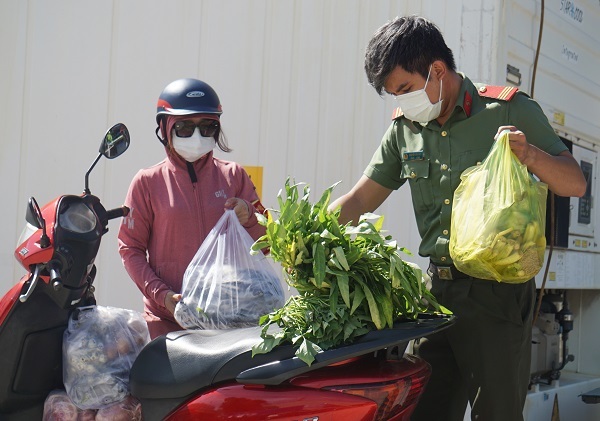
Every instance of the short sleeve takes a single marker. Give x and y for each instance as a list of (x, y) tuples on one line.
[(386, 163), (527, 115)]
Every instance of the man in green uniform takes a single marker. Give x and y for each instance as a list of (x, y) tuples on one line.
[(445, 124)]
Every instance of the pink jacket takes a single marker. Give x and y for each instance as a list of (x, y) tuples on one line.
[(171, 216)]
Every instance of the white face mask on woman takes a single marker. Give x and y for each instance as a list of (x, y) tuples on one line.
[(194, 147), (416, 105)]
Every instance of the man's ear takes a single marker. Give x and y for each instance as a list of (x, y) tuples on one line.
[(439, 69)]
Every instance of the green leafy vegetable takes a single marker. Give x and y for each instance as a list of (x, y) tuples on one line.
[(350, 279)]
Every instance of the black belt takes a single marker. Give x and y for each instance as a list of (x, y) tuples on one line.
[(448, 273)]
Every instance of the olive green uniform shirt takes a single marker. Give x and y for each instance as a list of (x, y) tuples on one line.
[(432, 157)]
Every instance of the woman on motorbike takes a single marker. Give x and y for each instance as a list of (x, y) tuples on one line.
[(175, 203)]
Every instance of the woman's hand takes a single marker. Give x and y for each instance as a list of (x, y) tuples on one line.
[(171, 300), (241, 208)]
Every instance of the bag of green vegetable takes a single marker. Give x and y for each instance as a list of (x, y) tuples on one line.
[(498, 219), (350, 279), (225, 286)]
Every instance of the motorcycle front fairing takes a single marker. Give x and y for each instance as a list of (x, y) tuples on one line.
[(35, 312), (75, 227)]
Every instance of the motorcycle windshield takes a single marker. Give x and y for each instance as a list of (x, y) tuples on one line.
[(27, 232)]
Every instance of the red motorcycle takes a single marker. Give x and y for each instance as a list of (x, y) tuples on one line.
[(203, 374)]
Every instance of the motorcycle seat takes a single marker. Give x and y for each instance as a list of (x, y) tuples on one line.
[(180, 363)]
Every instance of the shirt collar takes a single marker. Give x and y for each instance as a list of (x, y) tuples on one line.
[(468, 91)]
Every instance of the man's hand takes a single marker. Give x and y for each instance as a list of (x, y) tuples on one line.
[(524, 152), (171, 300), (561, 172), (241, 208)]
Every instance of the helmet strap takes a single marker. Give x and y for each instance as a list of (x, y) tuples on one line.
[(163, 141)]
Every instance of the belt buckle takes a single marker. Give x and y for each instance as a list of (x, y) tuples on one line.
[(445, 273)]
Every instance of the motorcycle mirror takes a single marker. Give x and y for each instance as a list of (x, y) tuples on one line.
[(34, 214), (35, 218), (115, 142)]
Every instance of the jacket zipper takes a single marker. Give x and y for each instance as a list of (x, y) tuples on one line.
[(199, 214)]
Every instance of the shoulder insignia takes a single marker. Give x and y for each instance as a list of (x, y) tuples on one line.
[(397, 113), (504, 93), (467, 102)]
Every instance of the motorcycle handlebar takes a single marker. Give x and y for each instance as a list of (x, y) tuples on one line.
[(55, 276), (117, 212)]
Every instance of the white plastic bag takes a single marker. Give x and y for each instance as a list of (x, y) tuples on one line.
[(99, 348), (225, 286)]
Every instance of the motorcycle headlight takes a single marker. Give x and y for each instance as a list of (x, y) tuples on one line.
[(77, 218)]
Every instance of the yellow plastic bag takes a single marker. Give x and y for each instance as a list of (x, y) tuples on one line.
[(498, 219)]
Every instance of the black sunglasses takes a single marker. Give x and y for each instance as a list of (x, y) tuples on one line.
[(186, 128)]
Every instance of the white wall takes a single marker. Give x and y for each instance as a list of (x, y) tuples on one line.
[(289, 74)]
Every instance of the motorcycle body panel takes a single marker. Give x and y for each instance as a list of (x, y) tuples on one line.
[(287, 403), (31, 359)]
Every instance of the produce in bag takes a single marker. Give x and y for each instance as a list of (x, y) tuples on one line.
[(498, 219), (99, 348), (129, 409), (59, 407), (225, 286)]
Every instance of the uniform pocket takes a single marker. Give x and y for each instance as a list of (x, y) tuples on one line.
[(417, 173), (415, 170)]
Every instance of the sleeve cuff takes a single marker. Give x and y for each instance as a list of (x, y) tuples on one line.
[(160, 297), (252, 219)]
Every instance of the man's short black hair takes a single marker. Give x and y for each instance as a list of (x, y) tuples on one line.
[(411, 42)]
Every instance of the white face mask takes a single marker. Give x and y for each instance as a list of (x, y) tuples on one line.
[(194, 147), (416, 105)]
